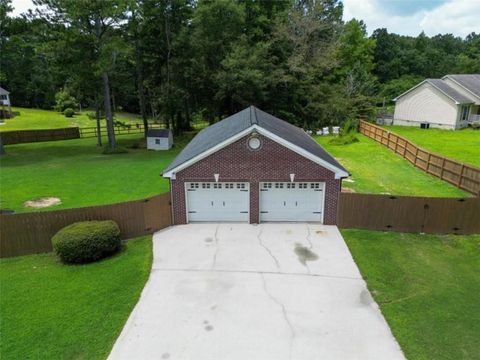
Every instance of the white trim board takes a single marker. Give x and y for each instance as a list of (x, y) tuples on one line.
[(339, 173)]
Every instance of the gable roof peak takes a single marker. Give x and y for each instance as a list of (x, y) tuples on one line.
[(240, 124)]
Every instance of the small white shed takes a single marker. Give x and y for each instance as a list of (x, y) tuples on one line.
[(5, 102), (159, 139)]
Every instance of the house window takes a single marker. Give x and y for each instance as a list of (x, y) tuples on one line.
[(464, 112), (157, 141), (3, 97)]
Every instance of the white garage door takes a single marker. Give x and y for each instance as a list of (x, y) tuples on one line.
[(292, 201), (222, 201)]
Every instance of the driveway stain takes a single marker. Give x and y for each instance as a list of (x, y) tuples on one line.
[(304, 254), (208, 240), (365, 298), (208, 328), (165, 356)]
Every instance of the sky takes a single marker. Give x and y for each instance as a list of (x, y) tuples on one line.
[(404, 17), (411, 17)]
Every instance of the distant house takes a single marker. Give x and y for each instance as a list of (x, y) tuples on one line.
[(450, 103), (159, 139), (5, 102)]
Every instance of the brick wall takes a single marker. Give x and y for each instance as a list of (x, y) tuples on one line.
[(273, 162)]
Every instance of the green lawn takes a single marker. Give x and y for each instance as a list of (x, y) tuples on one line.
[(427, 287), (76, 172), (462, 145), (375, 169), (55, 311), (30, 119)]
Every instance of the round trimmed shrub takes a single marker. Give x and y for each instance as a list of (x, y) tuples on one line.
[(86, 241), (69, 112)]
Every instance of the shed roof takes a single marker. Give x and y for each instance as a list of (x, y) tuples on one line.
[(3, 91), (158, 133), (243, 120)]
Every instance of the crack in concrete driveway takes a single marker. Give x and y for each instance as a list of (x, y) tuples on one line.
[(203, 302)]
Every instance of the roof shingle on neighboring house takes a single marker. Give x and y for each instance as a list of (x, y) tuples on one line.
[(243, 120), (471, 82), (159, 133), (449, 91), (3, 91)]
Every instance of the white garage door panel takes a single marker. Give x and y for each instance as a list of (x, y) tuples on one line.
[(297, 201), (217, 201)]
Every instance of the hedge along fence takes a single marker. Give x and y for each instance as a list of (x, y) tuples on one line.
[(29, 136), (409, 214), (30, 233), (465, 177)]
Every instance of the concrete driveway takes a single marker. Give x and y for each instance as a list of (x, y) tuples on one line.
[(238, 291)]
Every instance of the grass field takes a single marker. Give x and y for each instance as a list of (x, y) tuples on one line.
[(462, 145), (375, 169), (76, 172), (55, 311), (34, 119), (427, 287)]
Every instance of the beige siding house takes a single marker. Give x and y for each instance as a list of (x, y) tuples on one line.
[(450, 103)]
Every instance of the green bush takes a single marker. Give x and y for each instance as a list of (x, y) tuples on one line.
[(69, 112), (349, 126), (86, 241), (475, 125), (63, 100), (107, 150), (344, 139)]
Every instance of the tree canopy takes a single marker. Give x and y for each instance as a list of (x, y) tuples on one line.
[(176, 60)]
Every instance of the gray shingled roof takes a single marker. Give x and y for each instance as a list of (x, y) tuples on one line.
[(449, 91), (232, 125), (469, 81), (3, 91), (161, 133)]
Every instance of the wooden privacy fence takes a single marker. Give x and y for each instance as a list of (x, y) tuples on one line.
[(29, 233), (464, 176), (409, 214), (29, 136)]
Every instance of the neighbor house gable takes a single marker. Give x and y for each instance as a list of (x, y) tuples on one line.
[(440, 87)]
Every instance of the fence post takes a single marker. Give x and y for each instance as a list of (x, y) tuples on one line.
[(460, 176)]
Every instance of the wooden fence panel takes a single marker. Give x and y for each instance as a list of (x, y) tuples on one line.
[(30, 233), (465, 177), (409, 214), (28, 136)]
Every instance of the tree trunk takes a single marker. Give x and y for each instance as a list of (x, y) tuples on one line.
[(2, 149), (108, 111), (97, 116), (141, 90)]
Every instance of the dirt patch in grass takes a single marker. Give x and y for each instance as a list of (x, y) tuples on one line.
[(42, 202)]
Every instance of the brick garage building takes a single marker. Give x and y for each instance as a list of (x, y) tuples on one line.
[(254, 167)]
